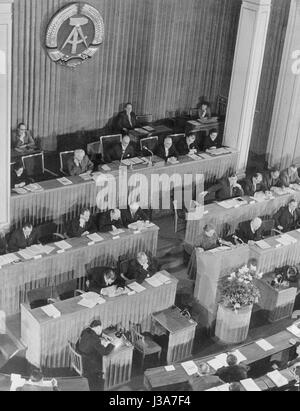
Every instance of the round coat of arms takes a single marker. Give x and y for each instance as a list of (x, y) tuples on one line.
[(74, 34)]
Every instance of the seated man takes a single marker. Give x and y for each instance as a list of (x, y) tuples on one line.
[(204, 111), (204, 380), (187, 145), (23, 238), (253, 185), (3, 245), (126, 120), (110, 221), (82, 226), (167, 150), (286, 218), (290, 176), (142, 267), (93, 346), (250, 231), (296, 360), (79, 164), (22, 139), (121, 151), (212, 141), (133, 214), (227, 187), (271, 179), (102, 277), (19, 177), (233, 372), (208, 239)]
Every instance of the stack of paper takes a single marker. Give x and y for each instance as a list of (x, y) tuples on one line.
[(64, 181), (265, 345), (295, 329), (27, 254), (136, 287), (263, 245), (51, 311), (169, 368), (250, 385), (278, 379), (63, 245), (204, 156), (162, 278), (16, 382), (96, 238), (193, 156), (90, 300), (136, 160), (86, 176), (218, 362), (117, 232), (8, 259), (20, 190), (190, 367), (286, 239), (155, 282), (148, 128), (34, 187), (126, 162)]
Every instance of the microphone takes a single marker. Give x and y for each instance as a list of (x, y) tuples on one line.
[(151, 152)]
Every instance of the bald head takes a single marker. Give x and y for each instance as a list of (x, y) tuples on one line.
[(79, 155)]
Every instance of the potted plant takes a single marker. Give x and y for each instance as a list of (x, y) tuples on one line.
[(278, 293), (238, 293)]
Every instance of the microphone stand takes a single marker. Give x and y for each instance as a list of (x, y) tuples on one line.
[(152, 155)]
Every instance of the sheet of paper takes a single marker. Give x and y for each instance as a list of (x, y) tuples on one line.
[(106, 168), (226, 204), (136, 287), (218, 362), (265, 345), (286, 240), (34, 187), (289, 238), (95, 237), (193, 157), (86, 176), (20, 190), (295, 329), (48, 249), (137, 160), (250, 385), (194, 123), (224, 387), (169, 368), (141, 131), (161, 277), (148, 128), (263, 244), (117, 232), (91, 296), (126, 162), (64, 181), (63, 245), (190, 367), (8, 259), (87, 303), (51, 311), (278, 378), (26, 254), (154, 282)]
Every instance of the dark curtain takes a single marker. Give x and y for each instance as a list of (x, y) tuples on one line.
[(160, 54)]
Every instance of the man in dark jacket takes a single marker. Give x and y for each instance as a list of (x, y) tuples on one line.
[(271, 179), (93, 346), (187, 145), (23, 238), (110, 220), (234, 372), (133, 214), (286, 218), (167, 150), (227, 187), (290, 176), (212, 141), (142, 267), (121, 151), (19, 177), (204, 381), (82, 226), (253, 185), (102, 277), (126, 119), (250, 230)]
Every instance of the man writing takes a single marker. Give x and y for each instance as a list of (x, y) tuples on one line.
[(79, 164)]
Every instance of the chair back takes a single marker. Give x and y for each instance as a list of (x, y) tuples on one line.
[(171, 114), (144, 118), (34, 164), (76, 359), (193, 112), (150, 143), (107, 142), (268, 227), (46, 232), (64, 157), (177, 137), (66, 290), (137, 339), (222, 103), (123, 265), (39, 297)]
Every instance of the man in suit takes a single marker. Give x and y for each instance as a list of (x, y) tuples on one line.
[(102, 277), (133, 214), (250, 231), (142, 267), (23, 238), (82, 226), (233, 372), (253, 185), (271, 179), (204, 381), (126, 119), (79, 164), (187, 145), (110, 221), (121, 151), (93, 346), (290, 176), (227, 187), (212, 141), (167, 150), (286, 218), (19, 177), (22, 138), (204, 111)]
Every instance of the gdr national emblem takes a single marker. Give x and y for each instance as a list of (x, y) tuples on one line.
[(74, 34)]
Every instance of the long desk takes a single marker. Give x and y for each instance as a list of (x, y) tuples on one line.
[(56, 200), (47, 338), (161, 379), (63, 384), (17, 279), (221, 217)]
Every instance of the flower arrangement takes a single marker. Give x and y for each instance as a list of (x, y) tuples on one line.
[(238, 289)]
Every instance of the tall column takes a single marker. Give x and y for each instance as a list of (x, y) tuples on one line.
[(247, 67), (5, 108), (284, 138)]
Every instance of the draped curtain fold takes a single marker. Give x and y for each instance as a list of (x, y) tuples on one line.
[(160, 54)]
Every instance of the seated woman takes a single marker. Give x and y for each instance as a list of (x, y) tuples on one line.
[(82, 226), (187, 145), (142, 267), (19, 177), (110, 221)]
